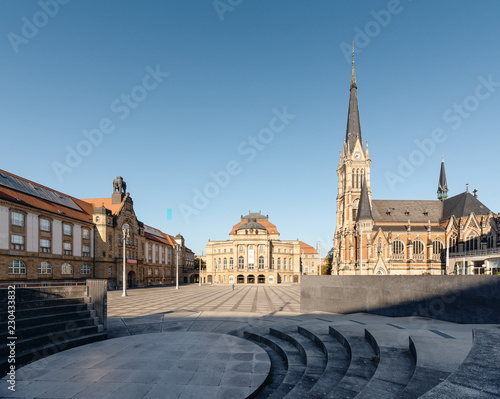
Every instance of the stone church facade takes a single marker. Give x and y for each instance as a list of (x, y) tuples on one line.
[(408, 237)]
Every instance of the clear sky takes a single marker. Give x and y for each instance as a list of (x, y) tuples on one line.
[(181, 90)]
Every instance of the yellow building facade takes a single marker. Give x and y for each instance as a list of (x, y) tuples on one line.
[(254, 254)]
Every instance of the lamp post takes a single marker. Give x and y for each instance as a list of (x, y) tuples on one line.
[(360, 231), (177, 267), (199, 269), (126, 232)]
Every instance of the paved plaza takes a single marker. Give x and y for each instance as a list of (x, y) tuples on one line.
[(193, 308)]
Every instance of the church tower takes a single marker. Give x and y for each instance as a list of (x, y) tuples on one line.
[(352, 172)]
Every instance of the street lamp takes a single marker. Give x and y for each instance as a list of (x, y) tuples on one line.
[(177, 267), (199, 269), (126, 232)]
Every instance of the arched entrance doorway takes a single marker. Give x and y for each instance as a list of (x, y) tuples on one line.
[(251, 279), (240, 279), (131, 279), (261, 279), (194, 278)]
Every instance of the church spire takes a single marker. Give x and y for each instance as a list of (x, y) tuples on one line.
[(442, 191), (364, 209), (353, 131)]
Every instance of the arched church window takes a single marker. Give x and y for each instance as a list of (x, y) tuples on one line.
[(437, 247), (379, 246), (398, 247), (472, 241), (491, 239), (418, 247)]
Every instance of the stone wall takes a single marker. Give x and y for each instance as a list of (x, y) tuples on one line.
[(461, 299)]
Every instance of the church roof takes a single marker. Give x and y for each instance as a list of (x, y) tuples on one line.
[(364, 209), (400, 211), (462, 205)]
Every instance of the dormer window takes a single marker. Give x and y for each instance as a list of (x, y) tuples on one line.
[(407, 212)]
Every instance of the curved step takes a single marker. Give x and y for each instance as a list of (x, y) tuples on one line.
[(39, 352), (363, 362), (435, 359), (395, 368), (337, 359), (477, 376), (39, 311), (50, 318), (293, 361), (312, 356)]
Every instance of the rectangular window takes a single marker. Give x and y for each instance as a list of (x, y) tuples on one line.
[(17, 219), (86, 250), (109, 270), (85, 269), (67, 248), (45, 246), (67, 230), (86, 234), (44, 225), (17, 242)]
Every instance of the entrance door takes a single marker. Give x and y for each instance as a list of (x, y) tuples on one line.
[(131, 281)]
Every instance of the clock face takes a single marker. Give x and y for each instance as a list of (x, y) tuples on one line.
[(357, 155)]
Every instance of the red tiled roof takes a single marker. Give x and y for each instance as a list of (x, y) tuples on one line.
[(97, 202), (307, 249), (11, 195)]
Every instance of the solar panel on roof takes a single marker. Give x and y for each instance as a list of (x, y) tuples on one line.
[(34, 190), (150, 230)]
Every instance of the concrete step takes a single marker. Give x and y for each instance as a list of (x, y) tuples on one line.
[(35, 353), (363, 361), (295, 366), (435, 359), (42, 329), (63, 333), (312, 356), (49, 318), (395, 366), (40, 311), (336, 356), (478, 375)]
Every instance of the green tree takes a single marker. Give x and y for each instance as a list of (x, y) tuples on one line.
[(327, 267)]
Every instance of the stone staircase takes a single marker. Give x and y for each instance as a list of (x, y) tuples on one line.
[(320, 360), (45, 325)]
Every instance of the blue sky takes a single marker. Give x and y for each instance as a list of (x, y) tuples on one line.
[(179, 88)]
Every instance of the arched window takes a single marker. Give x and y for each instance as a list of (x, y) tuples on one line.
[(437, 247), (472, 241), (491, 239), (219, 263), (17, 267), (379, 246), (215, 264), (272, 263), (279, 263), (241, 262), (85, 269), (453, 243), (225, 263), (398, 247), (261, 262), (44, 268), (284, 263), (418, 247), (231, 264), (157, 271), (66, 268)]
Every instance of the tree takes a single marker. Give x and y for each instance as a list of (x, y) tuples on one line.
[(326, 268)]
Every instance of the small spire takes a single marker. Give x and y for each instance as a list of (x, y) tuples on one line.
[(442, 191), (364, 208), (353, 72)]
